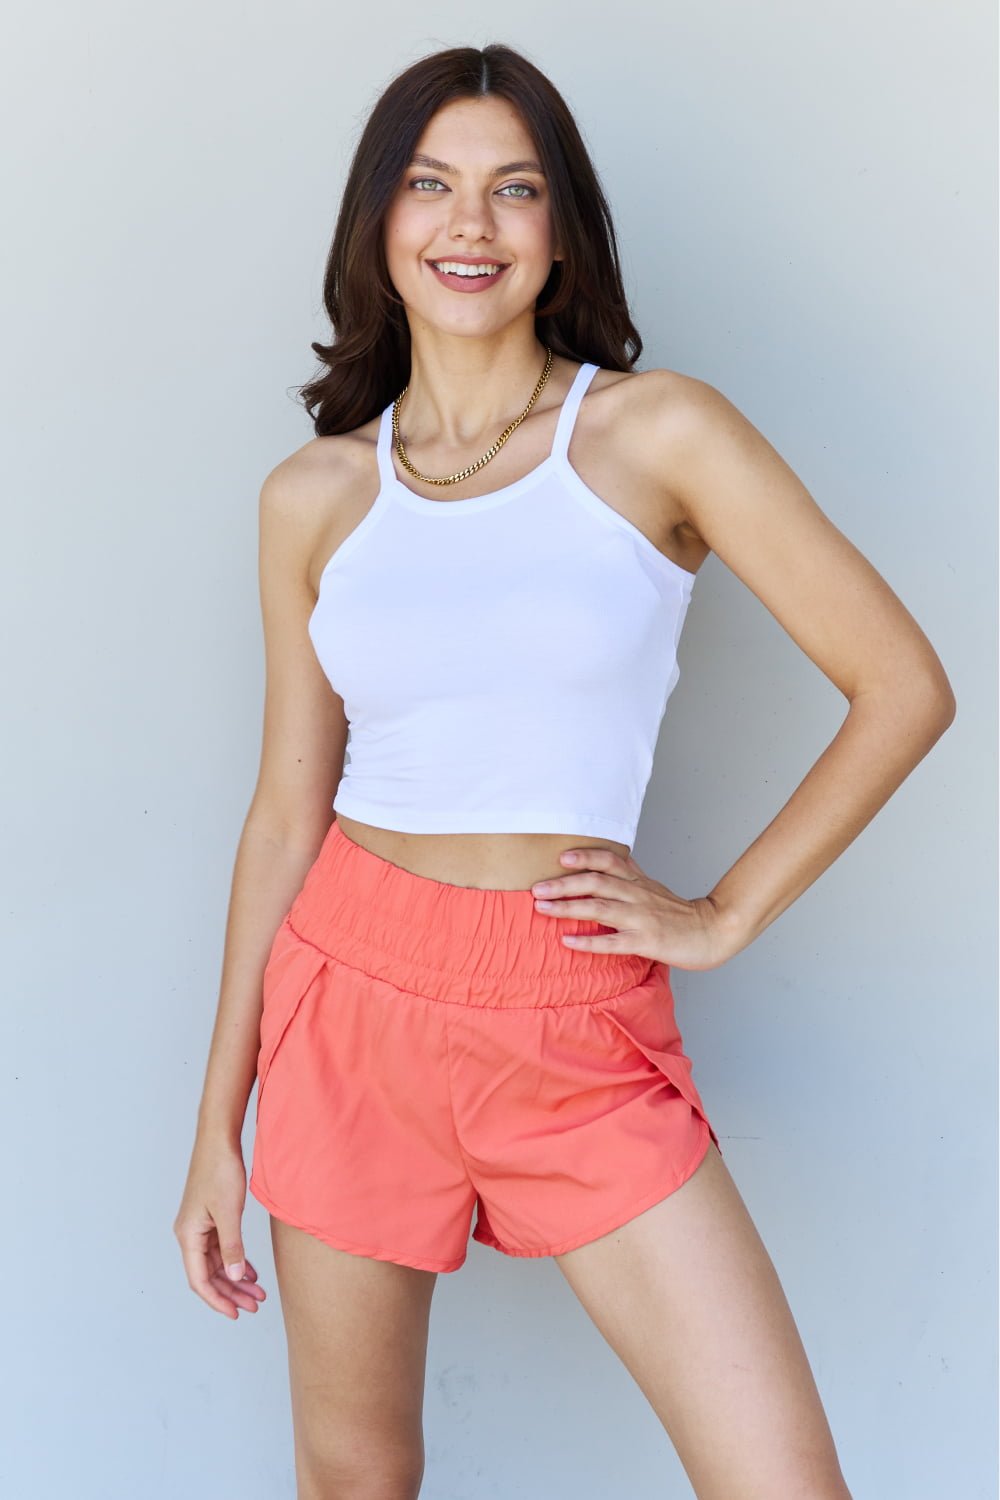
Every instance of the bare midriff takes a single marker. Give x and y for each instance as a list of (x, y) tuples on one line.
[(486, 861)]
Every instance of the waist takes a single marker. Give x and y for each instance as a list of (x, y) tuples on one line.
[(482, 861), (471, 946)]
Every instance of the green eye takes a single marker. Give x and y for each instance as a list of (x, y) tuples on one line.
[(518, 190)]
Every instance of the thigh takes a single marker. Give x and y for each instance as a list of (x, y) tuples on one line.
[(357, 1346), (687, 1297)]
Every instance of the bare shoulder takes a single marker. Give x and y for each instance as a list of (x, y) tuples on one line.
[(313, 498), (750, 508), (315, 475), (639, 429), (715, 463), (666, 402), (665, 415)]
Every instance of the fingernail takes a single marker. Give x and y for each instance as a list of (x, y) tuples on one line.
[(569, 858), (235, 1271)]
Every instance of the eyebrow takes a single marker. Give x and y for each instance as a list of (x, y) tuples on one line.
[(419, 159)]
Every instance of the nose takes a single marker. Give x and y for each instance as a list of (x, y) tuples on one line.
[(470, 215)]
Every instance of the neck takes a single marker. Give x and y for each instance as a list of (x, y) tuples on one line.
[(464, 392)]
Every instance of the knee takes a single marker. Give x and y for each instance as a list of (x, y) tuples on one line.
[(362, 1474)]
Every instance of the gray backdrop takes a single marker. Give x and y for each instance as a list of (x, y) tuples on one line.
[(805, 203)]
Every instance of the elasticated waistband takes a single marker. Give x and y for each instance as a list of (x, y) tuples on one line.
[(458, 944)]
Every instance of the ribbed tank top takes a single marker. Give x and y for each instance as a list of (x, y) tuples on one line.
[(504, 661)]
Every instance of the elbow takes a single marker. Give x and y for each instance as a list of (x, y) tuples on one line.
[(930, 704), (918, 704), (940, 704), (947, 707), (296, 824)]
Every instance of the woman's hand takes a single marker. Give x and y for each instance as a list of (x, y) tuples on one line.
[(207, 1227), (648, 918)]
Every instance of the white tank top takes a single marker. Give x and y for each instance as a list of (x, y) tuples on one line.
[(504, 661)]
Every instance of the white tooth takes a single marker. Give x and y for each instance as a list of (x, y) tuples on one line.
[(456, 268)]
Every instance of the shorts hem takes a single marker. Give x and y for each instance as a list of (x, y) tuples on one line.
[(618, 1218), (400, 1258)]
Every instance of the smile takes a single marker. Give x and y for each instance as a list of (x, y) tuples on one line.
[(467, 278)]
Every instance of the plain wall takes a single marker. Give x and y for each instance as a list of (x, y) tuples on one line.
[(805, 203)]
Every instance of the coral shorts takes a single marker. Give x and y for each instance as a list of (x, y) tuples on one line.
[(430, 1049)]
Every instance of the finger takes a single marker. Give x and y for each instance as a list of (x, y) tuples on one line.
[(240, 1291), (587, 883), (593, 859), (244, 1294), (592, 909), (199, 1276), (622, 867), (231, 1250), (594, 942), (207, 1278)]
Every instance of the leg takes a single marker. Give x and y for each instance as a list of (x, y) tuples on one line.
[(357, 1347), (687, 1297)]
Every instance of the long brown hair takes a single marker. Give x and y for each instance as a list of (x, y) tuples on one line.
[(581, 312)]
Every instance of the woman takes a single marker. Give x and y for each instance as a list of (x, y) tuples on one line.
[(482, 563)]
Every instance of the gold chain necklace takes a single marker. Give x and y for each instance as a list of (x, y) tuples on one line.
[(490, 452)]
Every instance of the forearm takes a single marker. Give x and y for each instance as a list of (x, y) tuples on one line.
[(883, 737), (268, 874)]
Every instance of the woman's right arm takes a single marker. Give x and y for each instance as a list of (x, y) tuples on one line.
[(302, 758)]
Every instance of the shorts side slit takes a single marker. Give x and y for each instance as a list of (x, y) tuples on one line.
[(428, 1050)]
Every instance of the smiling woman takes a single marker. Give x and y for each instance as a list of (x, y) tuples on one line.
[(472, 273), (479, 568), (476, 203), (544, 176)]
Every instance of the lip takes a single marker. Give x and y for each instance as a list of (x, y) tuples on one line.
[(468, 283)]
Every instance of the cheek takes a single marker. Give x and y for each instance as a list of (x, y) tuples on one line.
[(538, 238), (395, 221), (390, 232), (404, 239), (398, 258)]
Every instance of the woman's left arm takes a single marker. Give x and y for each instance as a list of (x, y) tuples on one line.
[(745, 503), (749, 507)]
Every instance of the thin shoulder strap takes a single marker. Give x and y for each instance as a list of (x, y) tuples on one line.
[(560, 442), (383, 449), (570, 407)]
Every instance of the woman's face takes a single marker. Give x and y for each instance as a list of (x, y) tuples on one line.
[(474, 192)]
